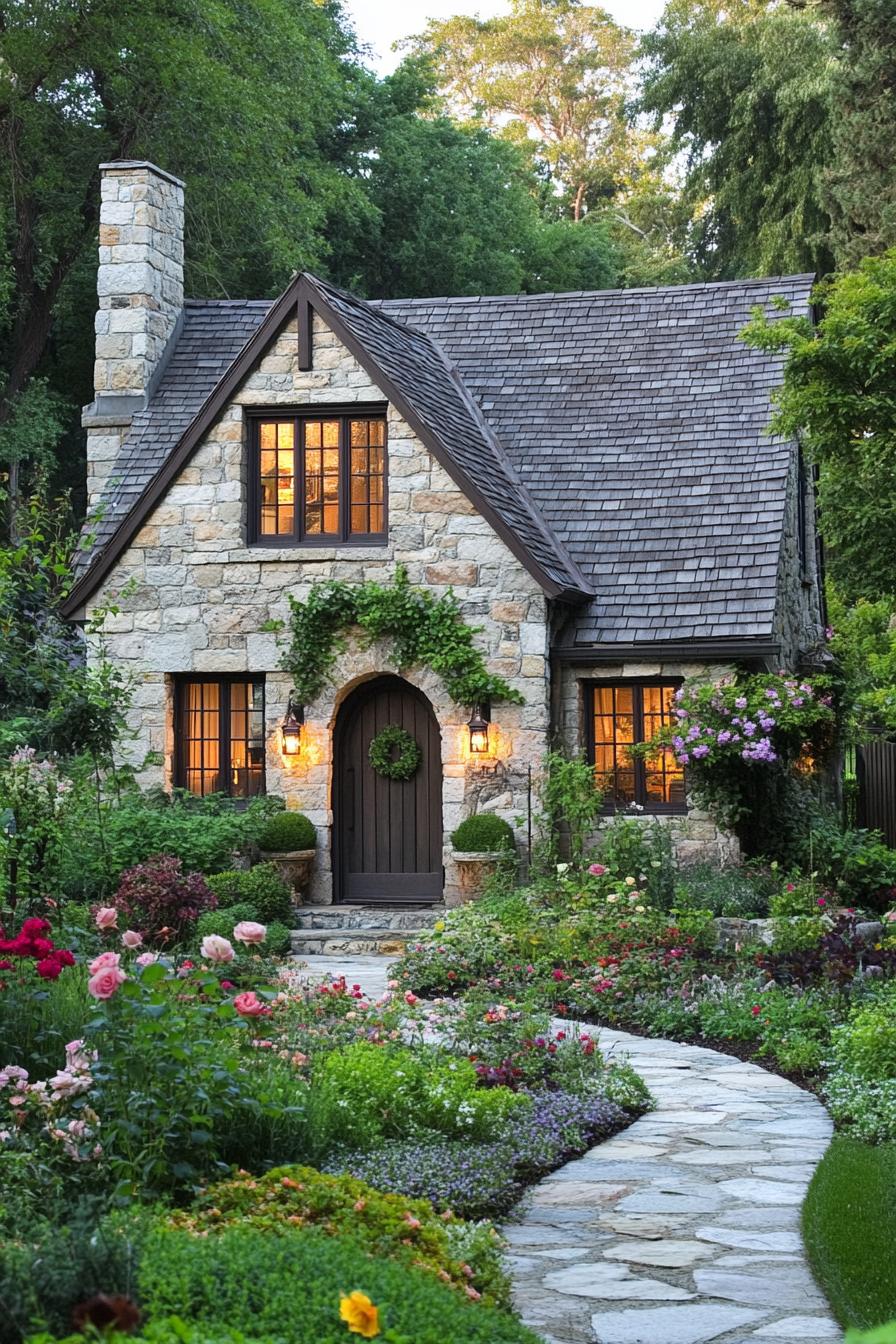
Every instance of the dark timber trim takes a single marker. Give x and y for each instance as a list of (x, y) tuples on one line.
[(301, 297), (721, 650), (305, 317)]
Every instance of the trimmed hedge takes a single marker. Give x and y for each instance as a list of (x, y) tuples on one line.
[(482, 833), (261, 887), (285, 832)]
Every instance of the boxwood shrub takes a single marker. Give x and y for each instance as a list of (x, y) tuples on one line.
[(262, 887), (482, 833), (285, 832)]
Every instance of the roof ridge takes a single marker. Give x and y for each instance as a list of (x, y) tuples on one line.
[(568, 294)]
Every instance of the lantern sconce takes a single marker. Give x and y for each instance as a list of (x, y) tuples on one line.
[(291, 728), (478, 726)]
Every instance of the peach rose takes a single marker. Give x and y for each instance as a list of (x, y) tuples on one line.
[(249, 932), (105, 982), (105, 961), (217, 949), (248, 1004), (131, 939), (106, 917)]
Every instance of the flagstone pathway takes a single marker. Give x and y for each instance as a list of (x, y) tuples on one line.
[(684, 1228)]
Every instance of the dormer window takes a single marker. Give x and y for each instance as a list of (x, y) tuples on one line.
[(318, 479)]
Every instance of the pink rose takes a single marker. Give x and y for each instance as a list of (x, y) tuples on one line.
[(147, 958), (106, 917), (597, 870), (249, 1004), (131, 939), (217, 949), (106, 982), (410, 998), (248, 932), (105, 961)]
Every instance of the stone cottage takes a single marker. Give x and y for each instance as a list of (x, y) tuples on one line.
[(589, 473)]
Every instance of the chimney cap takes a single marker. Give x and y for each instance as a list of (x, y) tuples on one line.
[(131, 165)]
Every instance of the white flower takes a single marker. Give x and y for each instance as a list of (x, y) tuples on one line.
[(629, 881), (562, 868)]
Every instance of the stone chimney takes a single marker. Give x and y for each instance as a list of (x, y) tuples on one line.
[(140, 288)]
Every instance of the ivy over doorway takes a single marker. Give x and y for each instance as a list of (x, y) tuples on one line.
[(425, 631)]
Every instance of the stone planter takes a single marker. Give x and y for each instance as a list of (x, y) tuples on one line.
[(473, 868), (294, 866)]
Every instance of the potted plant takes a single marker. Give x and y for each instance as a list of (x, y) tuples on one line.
[(288, 840), (480, 844)]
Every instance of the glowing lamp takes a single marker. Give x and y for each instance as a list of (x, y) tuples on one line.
[(291, 729), (478, 726)]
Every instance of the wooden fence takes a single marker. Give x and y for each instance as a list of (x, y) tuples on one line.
[(876, 777)]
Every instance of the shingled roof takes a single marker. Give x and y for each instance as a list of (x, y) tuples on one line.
[(637, 420), (616, 439)]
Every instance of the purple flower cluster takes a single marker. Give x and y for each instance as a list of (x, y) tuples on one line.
[(739, 721), (482, 1181)]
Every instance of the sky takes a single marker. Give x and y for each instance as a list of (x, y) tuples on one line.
[(379, 23)]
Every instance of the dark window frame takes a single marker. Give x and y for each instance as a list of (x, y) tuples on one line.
[(637, 684), (224, 681), (343, 412)]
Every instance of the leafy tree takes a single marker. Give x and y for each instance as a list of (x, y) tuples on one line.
[(454, 210), (864, 642), (553, 77), (747, 86), (207, 88), (839, 396), (860, 186)]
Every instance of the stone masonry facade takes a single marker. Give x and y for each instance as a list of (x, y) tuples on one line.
[(196, 596)]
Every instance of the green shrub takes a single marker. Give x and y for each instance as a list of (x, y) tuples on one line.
[(482, 833), (866, 1043), (886, 1334), (368, 1093), (856, 863), (290, 1287), (221, 921), (171, 1330), (385, 1224), (643, 850), (262, 887), (285, 832), (734, 893), (47, 1269), (204, 833), (278, 941)]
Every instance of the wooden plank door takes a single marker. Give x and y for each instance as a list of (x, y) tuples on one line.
[(387, 833)]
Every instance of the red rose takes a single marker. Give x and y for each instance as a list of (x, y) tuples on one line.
[(49, 969)]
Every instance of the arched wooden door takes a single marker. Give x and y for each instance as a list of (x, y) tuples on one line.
[(387, 834)]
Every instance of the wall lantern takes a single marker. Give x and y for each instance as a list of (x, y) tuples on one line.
[(291, 729), (478, 726)]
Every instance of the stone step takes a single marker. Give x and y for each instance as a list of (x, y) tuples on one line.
[(341, 917), (364, 942)]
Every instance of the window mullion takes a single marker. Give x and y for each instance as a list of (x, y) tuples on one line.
[(298, 523), (640, 765), (224, 736), (344, 481)]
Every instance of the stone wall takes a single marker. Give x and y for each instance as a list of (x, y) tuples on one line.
[(201, 596), (696, 837)]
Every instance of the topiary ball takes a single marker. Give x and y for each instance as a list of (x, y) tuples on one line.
[(483, 833), (285, 832)]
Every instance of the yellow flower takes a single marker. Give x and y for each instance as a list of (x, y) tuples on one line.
[(360, 1315), (439, 926)]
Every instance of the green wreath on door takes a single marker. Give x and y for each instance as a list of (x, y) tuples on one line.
[(394, 754)]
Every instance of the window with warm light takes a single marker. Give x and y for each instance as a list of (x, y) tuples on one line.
[(621, 714), (319, 478), (219, 738)]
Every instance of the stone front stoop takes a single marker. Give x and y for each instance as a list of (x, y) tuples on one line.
[(358, 930), (684, 1228)]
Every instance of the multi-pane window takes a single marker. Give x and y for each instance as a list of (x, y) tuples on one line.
[(623, 713), (319, 478), (220, 735)]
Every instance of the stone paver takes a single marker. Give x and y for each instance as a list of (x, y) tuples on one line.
[(696, 1205), (684, 1228)]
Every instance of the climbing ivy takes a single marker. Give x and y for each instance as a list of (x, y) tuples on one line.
[(425, 631)]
